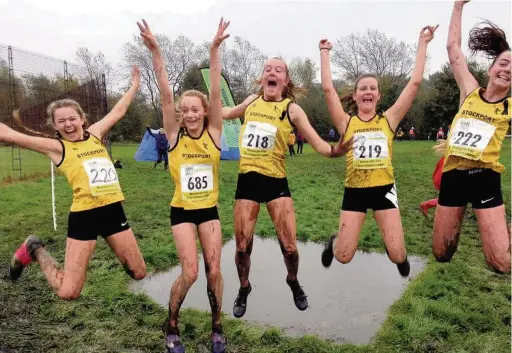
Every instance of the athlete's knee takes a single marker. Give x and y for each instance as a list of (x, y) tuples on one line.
[(140, 273), (443, 255), (444, 252), (136, 274), (244, 244), (291, 255), (213, 273), (68, 294), (500, 263), (190, 274), (343, 255), (397, 256)]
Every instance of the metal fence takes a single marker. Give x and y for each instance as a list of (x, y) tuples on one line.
[(30, 82)]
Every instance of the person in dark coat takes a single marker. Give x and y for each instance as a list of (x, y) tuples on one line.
[(161, 147)]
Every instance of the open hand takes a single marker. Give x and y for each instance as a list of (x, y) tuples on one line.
[(341, 149), (147, 36), (220, 36)]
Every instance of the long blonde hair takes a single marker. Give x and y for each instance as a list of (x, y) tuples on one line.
[(440, 147), (50, 115), (289, 91)]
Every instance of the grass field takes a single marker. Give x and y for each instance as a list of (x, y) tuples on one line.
[(457, 307), (33, 165)]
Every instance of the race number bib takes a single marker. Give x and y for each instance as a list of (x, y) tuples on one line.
[(370, 150), (258, 139), (470, 137), (196, 182), (102, 176)]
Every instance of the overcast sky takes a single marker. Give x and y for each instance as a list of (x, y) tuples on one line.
[(57, 27)]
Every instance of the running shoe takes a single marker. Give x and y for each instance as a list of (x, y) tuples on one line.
[(241, 301), (328, 254), (172, 338), (173, 344), (404, 268), (218, 342), (23, 256), (299, 297)]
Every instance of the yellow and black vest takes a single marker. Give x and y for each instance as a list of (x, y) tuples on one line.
[(369, 160), (194, 167), (264, 136), (90, 172), (477, 132)]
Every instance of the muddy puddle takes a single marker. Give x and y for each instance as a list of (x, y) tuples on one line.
[(348, 303)]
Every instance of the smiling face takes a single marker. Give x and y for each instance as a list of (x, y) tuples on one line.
[(69, 123), (499, 72), (193, 113), (275, 79), (366, 94)]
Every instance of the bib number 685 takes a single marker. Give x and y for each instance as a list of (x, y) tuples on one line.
[(197, 183)]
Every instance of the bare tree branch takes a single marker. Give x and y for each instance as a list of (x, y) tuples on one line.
[(374, 53)]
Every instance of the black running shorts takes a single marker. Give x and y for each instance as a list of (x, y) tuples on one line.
[(104, 221), (261, 188), (481, 187), (376, 198), (180, 215)]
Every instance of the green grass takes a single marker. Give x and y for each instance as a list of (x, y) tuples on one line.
[(33, 165), (457, 307)]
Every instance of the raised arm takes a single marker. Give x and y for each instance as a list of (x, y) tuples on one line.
[(465, 80), (239, 110), (215, 115), (397, 112), (300, 120), (102, 127), (171, 126), (47, 146), (338, 115)]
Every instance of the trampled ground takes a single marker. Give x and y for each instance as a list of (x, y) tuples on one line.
[(456, 307)]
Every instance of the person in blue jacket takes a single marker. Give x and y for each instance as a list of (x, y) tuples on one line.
[(161, 146)]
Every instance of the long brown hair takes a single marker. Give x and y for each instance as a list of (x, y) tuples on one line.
[(290, 90), (489, 39), (347, 99), (50, 113)]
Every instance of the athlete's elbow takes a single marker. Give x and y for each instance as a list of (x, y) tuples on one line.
[(167, 96), (454, 50), (415, 82), (327, 88), (119, 111), (452, 44), (324, 150)]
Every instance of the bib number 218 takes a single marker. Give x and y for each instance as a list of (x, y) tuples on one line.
[(257, 141)]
